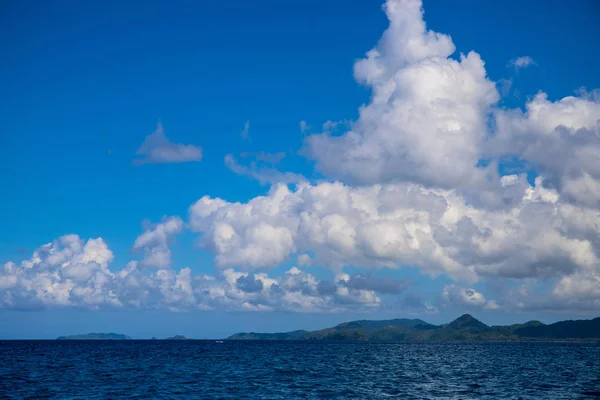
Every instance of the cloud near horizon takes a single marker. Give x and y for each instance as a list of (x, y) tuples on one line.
[(412, 183), (71, 272)]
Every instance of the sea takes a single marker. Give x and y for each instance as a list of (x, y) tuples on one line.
[(190, 369)]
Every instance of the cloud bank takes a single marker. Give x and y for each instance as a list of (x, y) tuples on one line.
[(71, 272)]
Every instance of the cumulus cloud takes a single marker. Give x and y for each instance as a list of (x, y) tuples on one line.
[(249, 284), (419, 183), (426, 121), (390, 286), (65, 272), (72, 273), (521, 62), (467, 297), (561, 139), (155, 242), (395, 225), (157, 148), (413, 182), (578, 293)]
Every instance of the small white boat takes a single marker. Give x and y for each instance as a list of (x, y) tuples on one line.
[(218, 341)]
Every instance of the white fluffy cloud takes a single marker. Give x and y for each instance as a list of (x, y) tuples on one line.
[(66, 272), (426, 121), (157, 148), (398, 225), (413, 182), (72, 273), (468, 298), (560, 139), (402, 224), (155, 242)]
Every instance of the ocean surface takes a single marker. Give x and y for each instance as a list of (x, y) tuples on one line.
[(304, 370)]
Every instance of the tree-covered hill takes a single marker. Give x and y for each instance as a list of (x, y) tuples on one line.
[(464, 328)]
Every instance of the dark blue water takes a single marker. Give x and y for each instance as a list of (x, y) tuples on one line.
[(287, 370)]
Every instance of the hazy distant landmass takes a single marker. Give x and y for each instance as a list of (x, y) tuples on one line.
[(112, 336), (177, 337), (464, 328), (95, 336)]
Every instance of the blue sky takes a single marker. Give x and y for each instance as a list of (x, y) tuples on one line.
[(84, 84)]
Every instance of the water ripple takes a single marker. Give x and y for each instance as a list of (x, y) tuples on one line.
[(307, 370)]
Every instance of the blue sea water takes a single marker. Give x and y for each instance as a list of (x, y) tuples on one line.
[(303, 370)]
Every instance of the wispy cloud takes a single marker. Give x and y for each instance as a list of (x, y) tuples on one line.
[(262, 170), (158, 149), (246, 131), (504, 86), (270, 158), (521, 62), (304, 127)]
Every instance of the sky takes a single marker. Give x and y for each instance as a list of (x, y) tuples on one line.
[(205, 168)]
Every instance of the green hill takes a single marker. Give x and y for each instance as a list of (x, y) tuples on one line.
[(464, 328), (295, 335), (582, 329)]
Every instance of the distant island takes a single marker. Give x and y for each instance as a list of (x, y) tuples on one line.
[(177, 337), (95, 336), (464, 328), (112, 336)]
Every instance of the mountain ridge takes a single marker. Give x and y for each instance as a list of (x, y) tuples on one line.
[(463, 328)]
